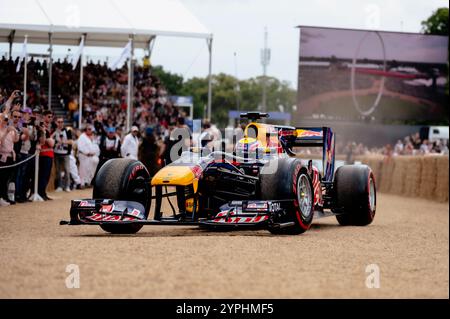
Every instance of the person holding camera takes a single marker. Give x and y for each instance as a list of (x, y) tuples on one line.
[(62, 149), (8, 136), (17, 123), (6, 106), (26, 147)]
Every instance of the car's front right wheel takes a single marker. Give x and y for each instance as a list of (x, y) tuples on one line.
[(123, 179)]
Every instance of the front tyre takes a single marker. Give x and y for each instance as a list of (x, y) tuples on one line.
[(123, 179), (356, 196), (290, 181)]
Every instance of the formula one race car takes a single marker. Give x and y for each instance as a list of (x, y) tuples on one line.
[(261, 185)]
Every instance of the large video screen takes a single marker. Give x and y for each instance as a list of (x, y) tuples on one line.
[(383, 77)]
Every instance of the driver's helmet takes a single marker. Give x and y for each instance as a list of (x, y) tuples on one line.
[(248, 147)]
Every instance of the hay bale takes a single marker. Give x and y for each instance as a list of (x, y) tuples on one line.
[(398, 175), (442, 179), (387, 169), (413, 177), (427, 188)]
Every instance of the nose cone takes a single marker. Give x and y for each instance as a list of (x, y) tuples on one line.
[(174, 175)]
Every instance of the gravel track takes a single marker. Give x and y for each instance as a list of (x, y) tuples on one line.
[(409, 241)]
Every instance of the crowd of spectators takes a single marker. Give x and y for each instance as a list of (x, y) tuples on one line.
[(414, 145), (410, 145), (105, 92), (37, 73), (75, 154)]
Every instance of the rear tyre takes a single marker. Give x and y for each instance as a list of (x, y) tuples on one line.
[(123, 179), (290, 181), (355, 195)]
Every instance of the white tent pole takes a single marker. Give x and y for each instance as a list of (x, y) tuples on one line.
[(80, 102), (209, 42), (25, 62), (50, 68), (130, 84)]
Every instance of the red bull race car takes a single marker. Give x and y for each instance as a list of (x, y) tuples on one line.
[(263, 184)]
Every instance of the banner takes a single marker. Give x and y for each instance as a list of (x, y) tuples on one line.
[(77, 54), (126, 53)]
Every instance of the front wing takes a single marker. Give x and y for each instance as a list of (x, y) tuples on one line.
[(235, 214), (242, 214)]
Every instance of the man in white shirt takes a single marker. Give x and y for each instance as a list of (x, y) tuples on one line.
[(88, 152), (130, 145)]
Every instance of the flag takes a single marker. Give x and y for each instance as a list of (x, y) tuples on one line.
[(126, 53), (23, 54), (76, 55)]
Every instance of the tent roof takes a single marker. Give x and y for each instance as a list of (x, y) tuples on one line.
[(107, 23)]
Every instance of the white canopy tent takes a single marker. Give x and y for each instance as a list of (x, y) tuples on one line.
[(104, 23)]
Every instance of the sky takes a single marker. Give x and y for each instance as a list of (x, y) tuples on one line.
[(238, 29)]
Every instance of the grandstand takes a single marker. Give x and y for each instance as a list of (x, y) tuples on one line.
[(104, 92), (105, 23)]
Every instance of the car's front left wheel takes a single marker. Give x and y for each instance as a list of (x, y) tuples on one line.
[(290, 182)]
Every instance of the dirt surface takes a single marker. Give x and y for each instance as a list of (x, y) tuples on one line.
[(408, 241)]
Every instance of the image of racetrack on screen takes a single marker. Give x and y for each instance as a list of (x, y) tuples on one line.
[(381, 77)]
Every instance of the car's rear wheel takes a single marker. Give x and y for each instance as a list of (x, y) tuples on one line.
[(290, 181), (123, 179), (356, 196)]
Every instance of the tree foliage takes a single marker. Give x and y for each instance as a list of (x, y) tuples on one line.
[(437, 23), (229, 93), (171, 81)]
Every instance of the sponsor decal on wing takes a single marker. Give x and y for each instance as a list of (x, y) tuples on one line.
[(107, 208), (135, 212), (85, 203), (95, 217), (111, 218)]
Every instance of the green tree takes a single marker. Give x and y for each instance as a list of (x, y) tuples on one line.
[(225, 95), (198, 89), (172, 82), (437, 23)]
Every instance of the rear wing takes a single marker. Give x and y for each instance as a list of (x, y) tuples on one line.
[(316, 137)]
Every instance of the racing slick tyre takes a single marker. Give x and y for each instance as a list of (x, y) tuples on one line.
[(290, 181), (355, 195), (123, 179)]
